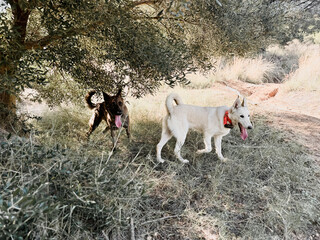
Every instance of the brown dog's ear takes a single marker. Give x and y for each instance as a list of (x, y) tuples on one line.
[(106, 97), (119, 92)]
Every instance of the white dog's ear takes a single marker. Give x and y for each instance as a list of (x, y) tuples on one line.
[(244, 102), (237, 103)]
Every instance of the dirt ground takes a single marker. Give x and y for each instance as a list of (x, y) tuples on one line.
[(298, 113)]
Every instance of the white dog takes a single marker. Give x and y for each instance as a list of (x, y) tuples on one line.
[(212, 121)]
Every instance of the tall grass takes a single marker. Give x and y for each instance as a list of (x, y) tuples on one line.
[(252, 70), (297, 64), (307, 76), (56, 185)]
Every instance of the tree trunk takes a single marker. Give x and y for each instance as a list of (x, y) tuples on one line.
[(8, 100), (11, 59), (7, 97), (7, 108)]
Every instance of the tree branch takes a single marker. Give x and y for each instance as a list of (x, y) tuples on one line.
[(20, 19), (143, 2), (171, 19), (45, 41)]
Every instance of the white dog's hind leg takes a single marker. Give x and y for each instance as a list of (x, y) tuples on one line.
[(177, 149), (165, 137), (179, 129), (217, 143), (207, 144)]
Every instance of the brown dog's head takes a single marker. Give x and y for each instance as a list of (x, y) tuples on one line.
[(115, 105)]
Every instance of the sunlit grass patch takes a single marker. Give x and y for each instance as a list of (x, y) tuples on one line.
[(64, 126), (252, 70), (307, 76), (295, 63), (200, 81)]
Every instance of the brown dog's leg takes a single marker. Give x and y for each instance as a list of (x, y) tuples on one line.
[(113, 139), (127, 126), (93, 124), (106, 129), (128, 132), (89, 133)]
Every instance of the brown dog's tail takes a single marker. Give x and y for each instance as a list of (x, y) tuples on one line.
[(88, 99)]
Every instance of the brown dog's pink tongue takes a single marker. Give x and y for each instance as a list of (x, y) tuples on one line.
[(244, 133), (118, 121)]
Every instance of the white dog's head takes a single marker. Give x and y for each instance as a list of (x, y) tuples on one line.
[(239, 114)]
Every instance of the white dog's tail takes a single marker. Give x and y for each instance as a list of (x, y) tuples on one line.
[(169, 100)]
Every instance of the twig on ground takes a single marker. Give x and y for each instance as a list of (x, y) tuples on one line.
[(159, 219), (132, 229)]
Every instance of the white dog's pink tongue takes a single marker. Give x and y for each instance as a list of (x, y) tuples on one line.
[(244, 133), (118, 120)]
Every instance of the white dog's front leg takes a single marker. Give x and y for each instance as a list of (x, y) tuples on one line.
[(207, 145), (217, 143)]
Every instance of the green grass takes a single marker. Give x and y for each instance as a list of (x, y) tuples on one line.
[(55, 185)]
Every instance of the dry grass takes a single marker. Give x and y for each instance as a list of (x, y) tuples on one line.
[(297, 64), (252, 70), (307, 76), (200, 81), (55, 185)]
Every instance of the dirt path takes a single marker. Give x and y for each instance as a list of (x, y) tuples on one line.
[(298, 113)]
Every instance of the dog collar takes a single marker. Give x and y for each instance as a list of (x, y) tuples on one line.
[(227, 121)]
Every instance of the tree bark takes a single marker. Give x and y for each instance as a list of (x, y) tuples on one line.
[(11, 59), (8, 102)]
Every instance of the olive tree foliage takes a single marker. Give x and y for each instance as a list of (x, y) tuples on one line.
[(100, 44), (249, 26), (64, 47)]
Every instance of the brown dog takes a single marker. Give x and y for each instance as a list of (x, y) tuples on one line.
[(113, 110)]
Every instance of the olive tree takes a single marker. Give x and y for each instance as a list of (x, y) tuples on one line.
[(102, 44)]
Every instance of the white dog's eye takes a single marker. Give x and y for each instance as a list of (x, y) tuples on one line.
[(241, 116)]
